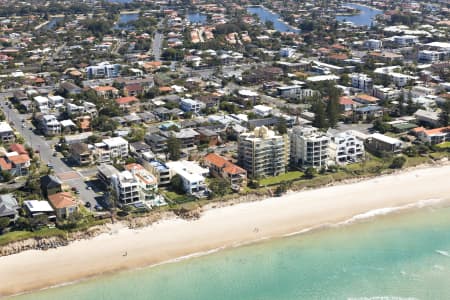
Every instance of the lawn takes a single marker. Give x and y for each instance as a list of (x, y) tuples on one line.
[(23, 235), (289, 176), (445, 145), (178, 198)]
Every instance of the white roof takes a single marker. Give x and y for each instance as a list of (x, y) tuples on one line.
[(38, 206), (189, 170), (67, 123), (248, 93), (41, 99), (262, 108), (322, 78), (386, 139), (4, 127), (115, 141), (55, 98)]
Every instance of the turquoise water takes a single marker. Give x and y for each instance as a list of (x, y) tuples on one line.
[(266, 15), (365, 18), (395, 257)]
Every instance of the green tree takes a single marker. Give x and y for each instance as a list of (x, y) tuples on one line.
[(310, 173), (177, 184), (174, 148), (4, 223), (319, 115), (219, 187), (333, 112), (398, 162), (282, 126), (381, 126), (444, 119)]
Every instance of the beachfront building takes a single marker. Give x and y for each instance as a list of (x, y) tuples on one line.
[(220, 167), (433, 136), (384, 143), (192, 176), (135, 185), (346, 148), (263, 153), (309, 147)]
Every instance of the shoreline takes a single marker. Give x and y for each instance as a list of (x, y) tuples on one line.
[(174, 239)]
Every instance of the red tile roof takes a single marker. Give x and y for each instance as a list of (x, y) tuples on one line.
[(127, 100), (18, 148), (5, 165), (62, 200), (224, 164), (19, 159)]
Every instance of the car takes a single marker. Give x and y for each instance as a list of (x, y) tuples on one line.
[(89, 187), (50, 166), (98, 207), (87, 204), (55, 153), (31, 128)]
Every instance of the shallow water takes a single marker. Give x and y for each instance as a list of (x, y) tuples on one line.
[(400, 256)]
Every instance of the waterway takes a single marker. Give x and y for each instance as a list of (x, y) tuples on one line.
[(364, 18), (265, 15)]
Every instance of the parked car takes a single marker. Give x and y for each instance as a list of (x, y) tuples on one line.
[(87, 204)]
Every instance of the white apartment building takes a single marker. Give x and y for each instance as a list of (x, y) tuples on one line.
[(126, 187), (50, 125), (385, 93), (190, 105), (42, 103), (430, 56), (346, 148), (103, 70), (405, 40), (309, 147), (362, 82), (192, 176), (287, 52), (262, 110), (291, 91), (373, 44), (109, 149), (136, 184), (263, 153)]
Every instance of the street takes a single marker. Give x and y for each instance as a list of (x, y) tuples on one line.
[(69, 176)]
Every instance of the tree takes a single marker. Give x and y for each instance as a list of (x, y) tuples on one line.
[(4, 222), (381, 126), (310, 173), (398, 162), (174, 148), (333, 112), (319, 115), (177, 184), (282, 126), (219, 187), (444, 119)]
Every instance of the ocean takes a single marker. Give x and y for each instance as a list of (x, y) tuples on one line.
[(398, 256)]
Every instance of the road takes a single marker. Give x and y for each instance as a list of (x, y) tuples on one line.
[(156, 48), (69, 176)]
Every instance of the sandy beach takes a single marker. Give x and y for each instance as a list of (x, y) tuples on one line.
[(217, 228)]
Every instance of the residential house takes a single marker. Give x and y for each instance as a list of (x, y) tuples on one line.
[(263, 153), (366, 99), (9, 208), (160, 171), (81, 153), (220, 167), (309, 147), (110, 149), (49, 125), (39, 207), (6, 133), (381, 142), (190, 105), (192, 176), (50, 185), (64, 204), (129, 103), (157, 142), (430, 118), (15, 164), (433, 136), (208, 136), (70, 88), (106, 91), (366, 112)]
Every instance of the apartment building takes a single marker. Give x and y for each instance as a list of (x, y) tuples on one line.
[(118, 147), (126, 188), (190, 105), (362, 82), (263, 153), (147, 183), (103, 70), (346, 148), (6, 133), (309, 147), (50, 125)]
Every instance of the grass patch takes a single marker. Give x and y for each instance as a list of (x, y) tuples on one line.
[(445, 145), (415, 161), (178, 198), (15, 236), (289, 176)]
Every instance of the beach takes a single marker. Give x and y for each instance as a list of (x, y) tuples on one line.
[(223, 227)]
